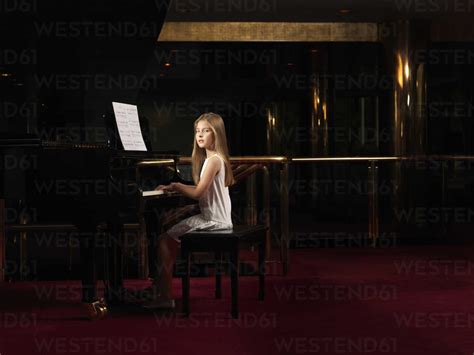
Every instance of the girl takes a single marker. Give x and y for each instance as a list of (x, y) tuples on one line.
[(212, 174)]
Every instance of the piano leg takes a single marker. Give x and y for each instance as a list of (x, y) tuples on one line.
[(95, 308), (88, 263), (114, 263), (112, 249)]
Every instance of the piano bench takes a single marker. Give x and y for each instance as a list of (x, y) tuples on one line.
[(224, 241)]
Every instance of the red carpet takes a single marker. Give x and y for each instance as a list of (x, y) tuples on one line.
[(403, 300)]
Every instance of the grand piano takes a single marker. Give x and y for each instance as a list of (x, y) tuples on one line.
[(69, 164), (96, 188)]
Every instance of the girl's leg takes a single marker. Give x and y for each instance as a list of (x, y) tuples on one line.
[(167, 251)]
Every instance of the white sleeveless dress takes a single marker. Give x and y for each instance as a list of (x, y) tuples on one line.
[(215, 206)]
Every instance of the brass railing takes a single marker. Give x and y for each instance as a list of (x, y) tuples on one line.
[(372, 174), (245, 167)]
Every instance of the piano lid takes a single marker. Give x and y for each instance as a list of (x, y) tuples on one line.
[(84, 55)]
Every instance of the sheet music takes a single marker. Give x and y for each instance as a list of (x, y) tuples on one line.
[(128, 126)]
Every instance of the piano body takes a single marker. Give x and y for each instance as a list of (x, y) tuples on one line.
[(96, 188), (81, 179)]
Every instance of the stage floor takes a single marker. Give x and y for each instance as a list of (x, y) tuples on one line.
[(394, 300)]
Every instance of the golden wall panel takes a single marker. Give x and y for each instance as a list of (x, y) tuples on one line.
[(267, 32)]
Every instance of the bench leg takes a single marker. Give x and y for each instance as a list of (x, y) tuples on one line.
[(185, 279), (218, 271), (234, 281), (261, 271)]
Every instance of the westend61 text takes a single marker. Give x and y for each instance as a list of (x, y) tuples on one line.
[(18, 320), (337, 187), (424, 215), (432, 6), (18, 6), (435, 267), (187, 109), (434, 320), (218, 56), (24, 162), (246, 320), (104, 29), (337, 239), (97, 81), (96, 345), (84, 187), (301, 134), (335, 345), (22, 57), (339, 81), (25, 214), (13, 267), (219, 6), (361, 292), (10, 109)]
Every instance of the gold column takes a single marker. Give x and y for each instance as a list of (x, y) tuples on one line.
[(266, 210), (406, 43), (373, 214), (319, 122), (319, 119), (273, 120), (403, 92), (284, 216), (23, 249), (420, 127)]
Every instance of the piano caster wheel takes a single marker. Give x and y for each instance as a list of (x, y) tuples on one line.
[(96, 310)]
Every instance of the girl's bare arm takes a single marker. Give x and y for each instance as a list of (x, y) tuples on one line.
[(196, 192)]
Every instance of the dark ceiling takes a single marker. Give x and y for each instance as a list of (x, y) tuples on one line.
[(318, 10)]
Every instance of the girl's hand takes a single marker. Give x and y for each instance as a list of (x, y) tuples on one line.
[(170, 187)]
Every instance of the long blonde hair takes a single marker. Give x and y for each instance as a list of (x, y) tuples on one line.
[(220, 145)]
